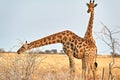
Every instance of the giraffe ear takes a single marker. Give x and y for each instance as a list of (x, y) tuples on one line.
[(95, 5), (87, 4)]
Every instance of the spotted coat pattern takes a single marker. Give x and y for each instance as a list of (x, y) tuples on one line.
[(73, 45)]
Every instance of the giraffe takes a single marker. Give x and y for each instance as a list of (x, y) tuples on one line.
[(73, 46), (89, 61), (70, 41)]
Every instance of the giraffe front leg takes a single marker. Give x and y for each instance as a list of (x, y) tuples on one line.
[(88, 72), (68, 50), (83, 69), (71, 64)]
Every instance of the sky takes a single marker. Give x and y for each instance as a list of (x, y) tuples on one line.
[(29, 20)]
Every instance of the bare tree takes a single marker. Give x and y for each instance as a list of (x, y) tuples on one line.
[(108, 37)]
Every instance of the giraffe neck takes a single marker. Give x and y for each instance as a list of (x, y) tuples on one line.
[(88, 33), (60, 37)]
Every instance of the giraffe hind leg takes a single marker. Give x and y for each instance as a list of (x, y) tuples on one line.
[(93, 68)]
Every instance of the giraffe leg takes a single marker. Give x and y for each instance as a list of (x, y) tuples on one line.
[(67, 49), (93, 67), (83, 69), (88, 71), (88, 68), (71, 64)]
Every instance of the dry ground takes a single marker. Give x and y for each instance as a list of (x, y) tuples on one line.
[(48, 67)]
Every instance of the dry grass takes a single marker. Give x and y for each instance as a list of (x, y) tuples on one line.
[(47, 67)]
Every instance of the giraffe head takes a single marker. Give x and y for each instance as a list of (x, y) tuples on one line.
[(23, 48), (91, 6)]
